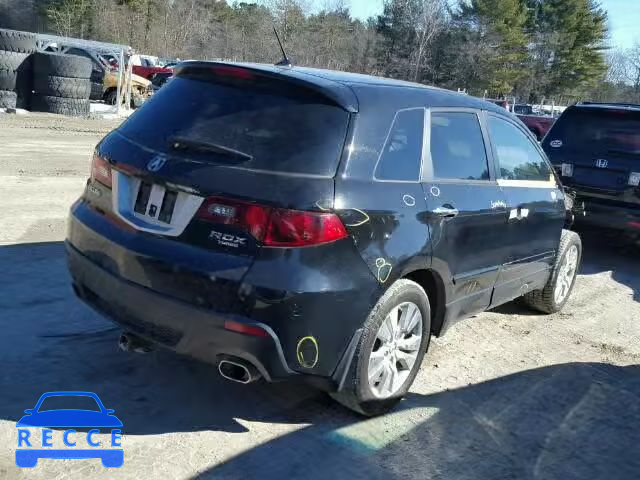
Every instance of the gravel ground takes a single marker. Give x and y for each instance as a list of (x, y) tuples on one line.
[(508, 394)]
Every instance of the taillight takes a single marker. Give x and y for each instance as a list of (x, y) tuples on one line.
[(274, 227), (294, 228), (247, 216), (101, 170)]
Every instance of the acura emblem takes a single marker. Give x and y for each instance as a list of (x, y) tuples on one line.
[(156, 163), (602, 163)]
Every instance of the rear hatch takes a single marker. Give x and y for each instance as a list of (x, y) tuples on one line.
[(597, 150), (225, 158)]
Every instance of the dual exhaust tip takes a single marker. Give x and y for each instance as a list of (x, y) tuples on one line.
[(232, 368)]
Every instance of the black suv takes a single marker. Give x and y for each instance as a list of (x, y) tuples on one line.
[(299, 223), (596, 149)]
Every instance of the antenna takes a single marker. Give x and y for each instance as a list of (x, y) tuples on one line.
[(285, 62)]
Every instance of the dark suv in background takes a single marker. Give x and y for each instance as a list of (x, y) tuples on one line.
[(298, 223), (596, 149)]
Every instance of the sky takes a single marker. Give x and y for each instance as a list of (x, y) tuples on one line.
[(624, 18)]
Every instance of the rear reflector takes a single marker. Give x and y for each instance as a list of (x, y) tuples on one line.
[(274, 227), (245, 329), (634, 224), (101, 170)]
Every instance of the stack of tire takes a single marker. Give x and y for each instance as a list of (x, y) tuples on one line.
[(16, 49), (61, 84)]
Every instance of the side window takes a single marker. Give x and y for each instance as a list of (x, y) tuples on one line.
[(517, 157), (457, 147), (402, 153)]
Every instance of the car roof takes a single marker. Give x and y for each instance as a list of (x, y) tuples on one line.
[(333, 82)]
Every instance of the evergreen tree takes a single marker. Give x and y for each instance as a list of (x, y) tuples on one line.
[(567, 45), (497, 28)]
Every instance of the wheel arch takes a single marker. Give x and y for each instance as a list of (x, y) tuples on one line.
[(433, 285)]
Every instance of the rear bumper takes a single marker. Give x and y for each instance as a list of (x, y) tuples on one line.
[(608, 216), (180, 296), (174, 324)]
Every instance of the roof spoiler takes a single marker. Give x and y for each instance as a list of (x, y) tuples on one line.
[(613, 104), (340, 94)]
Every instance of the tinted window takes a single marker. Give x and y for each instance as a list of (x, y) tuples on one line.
[(402, 153), (523, 110), (517, 157), (600, 129), (457, 147), (270, 125)]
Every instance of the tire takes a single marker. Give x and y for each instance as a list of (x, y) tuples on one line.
[(357, 393), (8, 99), (74, 107), (61, 65), (15, 41), (12, 60), (7, 79), (62, 87), (546, 300), (96, 91), (110, 97)]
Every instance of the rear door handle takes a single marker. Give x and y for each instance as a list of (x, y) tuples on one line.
[(446, 211)]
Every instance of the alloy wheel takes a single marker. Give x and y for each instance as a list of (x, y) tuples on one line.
[(566, 274), (395, 349)]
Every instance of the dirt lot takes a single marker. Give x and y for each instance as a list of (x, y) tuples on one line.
[(508, 394)]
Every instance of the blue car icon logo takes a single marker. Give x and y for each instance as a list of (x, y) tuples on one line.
[(92, 415)]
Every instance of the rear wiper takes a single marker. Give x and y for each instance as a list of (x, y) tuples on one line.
[(183, 143)]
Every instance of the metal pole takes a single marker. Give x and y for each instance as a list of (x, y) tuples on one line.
[(120, 77), (127, 99)]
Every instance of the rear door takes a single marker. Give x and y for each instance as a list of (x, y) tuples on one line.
[(597, 150), (467, 210), (535, 205)]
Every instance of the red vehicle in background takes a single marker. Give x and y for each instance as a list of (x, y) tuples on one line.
[(538, 124), (146, 66)]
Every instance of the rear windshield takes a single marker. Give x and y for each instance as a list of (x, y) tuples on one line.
[(248, 122), (613, 130)]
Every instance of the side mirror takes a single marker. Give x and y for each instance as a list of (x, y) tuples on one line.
[(109, 411), (29, 411)]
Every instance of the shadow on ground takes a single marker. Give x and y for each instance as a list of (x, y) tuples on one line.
[(603, 251), (570, 421), (51, 341), (608, 250)]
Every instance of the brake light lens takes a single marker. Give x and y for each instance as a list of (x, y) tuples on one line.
[(567, 170), (101, 170), (247, 216), (294, 228), (274, 227), (233, 72)]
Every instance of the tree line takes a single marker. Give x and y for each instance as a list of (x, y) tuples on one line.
[(535, 50)]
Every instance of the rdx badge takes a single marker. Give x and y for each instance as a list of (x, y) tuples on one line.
[(227, 239)]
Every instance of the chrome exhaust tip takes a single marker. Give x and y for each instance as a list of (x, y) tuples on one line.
[(238, 371)]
